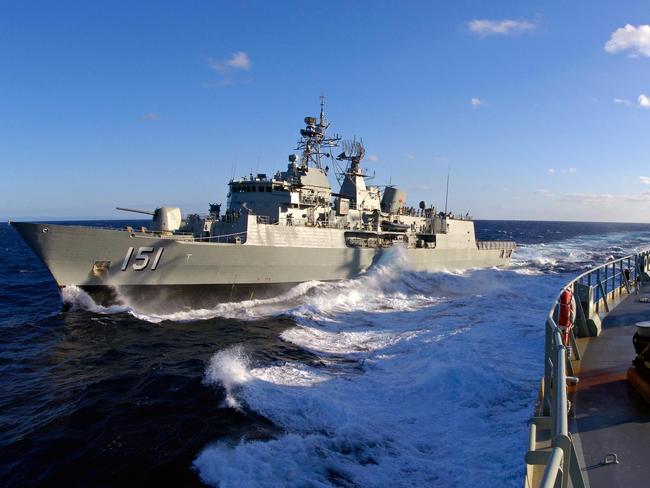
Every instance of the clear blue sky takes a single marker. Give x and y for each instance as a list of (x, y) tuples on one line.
[(149, 103)]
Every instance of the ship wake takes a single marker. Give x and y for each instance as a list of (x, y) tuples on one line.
[(416, 375), (406, 378)]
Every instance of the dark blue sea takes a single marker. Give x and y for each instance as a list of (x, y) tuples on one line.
[(390, 379)]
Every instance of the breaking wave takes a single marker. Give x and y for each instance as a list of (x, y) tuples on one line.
[(408, 379)]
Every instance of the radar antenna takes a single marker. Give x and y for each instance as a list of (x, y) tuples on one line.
[(314, 138), (353, 153)]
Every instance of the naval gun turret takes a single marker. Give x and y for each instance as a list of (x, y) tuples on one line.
[(164, 219)]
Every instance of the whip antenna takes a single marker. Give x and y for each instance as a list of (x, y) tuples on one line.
[(447, 193)]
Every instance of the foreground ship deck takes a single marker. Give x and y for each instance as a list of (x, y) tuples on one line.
[(592, 428), (611, 417)]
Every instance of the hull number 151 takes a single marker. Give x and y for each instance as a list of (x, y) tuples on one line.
[(143, 258)]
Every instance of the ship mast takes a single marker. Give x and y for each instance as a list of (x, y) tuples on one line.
[(314, 138)]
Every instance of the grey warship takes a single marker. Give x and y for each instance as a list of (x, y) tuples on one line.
[(274, 233)]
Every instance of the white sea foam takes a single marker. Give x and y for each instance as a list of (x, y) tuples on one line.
[(80, 300), (413, 375), (230, 369), (310, 300), (417, 373), (436, 382)]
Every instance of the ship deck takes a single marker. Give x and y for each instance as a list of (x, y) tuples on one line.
[(610, 416)]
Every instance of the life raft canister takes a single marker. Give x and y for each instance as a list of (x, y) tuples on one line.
[(566, 314)]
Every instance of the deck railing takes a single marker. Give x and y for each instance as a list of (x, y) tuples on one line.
[(600, 287)]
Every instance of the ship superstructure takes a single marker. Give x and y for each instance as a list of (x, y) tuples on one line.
[(277, 230)]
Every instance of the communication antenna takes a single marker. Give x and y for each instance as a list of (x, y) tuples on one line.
[(233, 169), (447, 192), (322, 111)]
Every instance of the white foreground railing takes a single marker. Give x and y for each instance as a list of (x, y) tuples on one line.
[(594, 290)]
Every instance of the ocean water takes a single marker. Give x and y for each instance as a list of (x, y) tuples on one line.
[(390, 379)]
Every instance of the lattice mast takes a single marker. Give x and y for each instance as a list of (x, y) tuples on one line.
[(314, 139)]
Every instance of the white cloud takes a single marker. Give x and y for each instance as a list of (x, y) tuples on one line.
[(238, 61), (644, 100), (622, 101), (591, 198), (641, 197), (564, 171), (551, 171), (632, 38), (505, 27), (373, 157), (607, 198), (545, 193), (151, 116), (410, 156), (476, 102), (596, 199), (645, 180)]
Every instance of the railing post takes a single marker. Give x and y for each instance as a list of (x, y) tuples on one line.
[(604, 295), (562, 466), (548, 371), (598, 297), (561, 421), (553, 468), (621, 276)]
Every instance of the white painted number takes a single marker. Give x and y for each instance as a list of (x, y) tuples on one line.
[(142, 258)]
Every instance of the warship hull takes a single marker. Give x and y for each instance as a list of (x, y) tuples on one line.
[(96, 259)]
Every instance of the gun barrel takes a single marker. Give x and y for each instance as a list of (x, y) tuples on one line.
[(134, 211)]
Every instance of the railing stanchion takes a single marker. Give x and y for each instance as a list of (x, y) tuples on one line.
[(562, 467), (598, 297)]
